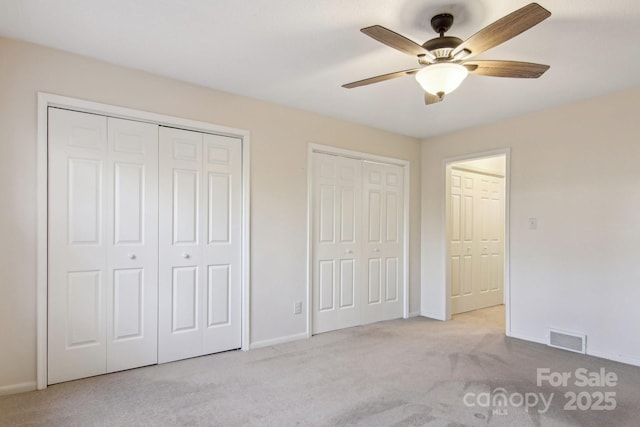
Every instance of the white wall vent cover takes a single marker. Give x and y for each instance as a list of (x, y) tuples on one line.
[(568, 341)]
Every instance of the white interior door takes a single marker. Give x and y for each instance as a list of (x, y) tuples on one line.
[(383, 242), (180, 259), (200, 249), (491, 240), (337, 245), (476, 240), (461, 247), (105, 300), (222, 243), (357, 235), (132, 244), (77, 245), (102, 245)]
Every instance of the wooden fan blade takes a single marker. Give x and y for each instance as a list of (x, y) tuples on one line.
[(397, 41), (503, 29), (380, 78), (430, 98), (524, 70)]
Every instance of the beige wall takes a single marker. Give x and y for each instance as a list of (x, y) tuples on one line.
[(575, 169), (279, 138)]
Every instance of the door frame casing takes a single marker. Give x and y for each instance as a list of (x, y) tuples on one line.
[(328, 149), (46, 100), (446, 165)]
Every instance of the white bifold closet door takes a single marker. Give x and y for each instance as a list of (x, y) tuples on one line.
[(337, 243), (200, 244), (383, 207), (138, 275), (102, 265), (476, 245), (357, 234)]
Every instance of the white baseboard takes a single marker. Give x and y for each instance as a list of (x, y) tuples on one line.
[(615, 357), (528, 338), (434, 316), (17, 388), (414, 314), (279, 340)]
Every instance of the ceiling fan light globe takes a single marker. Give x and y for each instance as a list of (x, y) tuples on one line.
[(441, 78)]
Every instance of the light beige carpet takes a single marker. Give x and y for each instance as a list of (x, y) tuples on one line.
[(415, 372)]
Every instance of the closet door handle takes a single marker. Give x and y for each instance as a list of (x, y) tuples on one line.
[(348, 251), (186, 255), (376, 250), (132, 256)]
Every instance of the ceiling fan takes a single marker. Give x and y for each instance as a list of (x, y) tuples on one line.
[(444, 60)]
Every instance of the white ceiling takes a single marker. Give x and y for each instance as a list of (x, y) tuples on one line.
[(298, 53)]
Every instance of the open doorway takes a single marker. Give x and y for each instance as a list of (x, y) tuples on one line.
[(476, 233)]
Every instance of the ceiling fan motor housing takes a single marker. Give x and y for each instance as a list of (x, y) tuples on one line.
[(442, 47)]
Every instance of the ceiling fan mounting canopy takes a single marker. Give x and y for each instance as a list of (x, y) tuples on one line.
[(454, 51), (441, 23)]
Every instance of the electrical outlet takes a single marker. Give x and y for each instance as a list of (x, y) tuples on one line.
[(533, 223), (297, 307)]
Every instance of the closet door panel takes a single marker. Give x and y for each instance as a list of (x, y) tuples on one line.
[(77, 246), (383, 205), (132, 230), (393, 250), (221, 243), (374, 219), (180, 255), (337, 245)]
